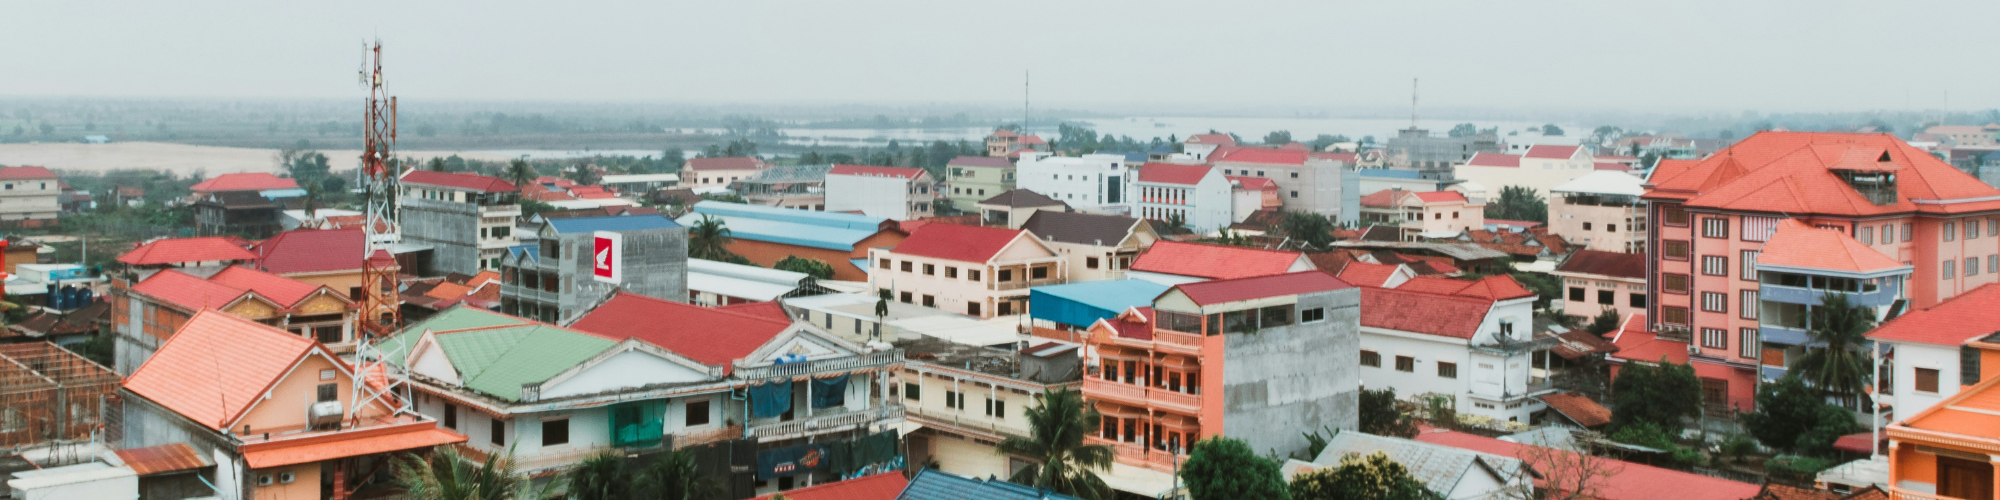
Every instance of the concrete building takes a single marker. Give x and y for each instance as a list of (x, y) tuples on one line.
[(1196, 196), (1946, 451), (1248, 195), (640, 184), (1595, 280), (766, 235), (713, 283), (801, 187), (718, 173), (978, 271), (1931, 354), (1539, 169), (1472, 340), (1199, 146), (210, 253), (1307, 182), (1967, 135), (554, 278), (969, 398), (1416, 149), (888, 192), (467, 219), (1711, 219), (236, 213), (330, 257), (257, 182), (1098, 247), (1600, 211), (146, 314), (852, 316), (29, 193), (1009, 144), (1423, 216), (1089, 182), (976, 178), (1798, 268), (1234, 358), (1014, 207)]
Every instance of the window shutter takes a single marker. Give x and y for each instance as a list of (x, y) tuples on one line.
[(1968, 365)]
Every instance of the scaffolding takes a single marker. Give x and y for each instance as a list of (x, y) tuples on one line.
[(49, 394)]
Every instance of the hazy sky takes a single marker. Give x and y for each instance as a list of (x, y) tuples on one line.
[(1653, 55)]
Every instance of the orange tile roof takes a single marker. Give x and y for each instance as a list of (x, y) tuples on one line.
[(1213, 261), (217, 366), (1441, 196), (178, 250), (171, 457), (1636, 344), (1366, 274), (286, 292), (1500, 287), (1578, 408), (1796, 244), (356, 442), (1974, 413), (1794, 173), (1551, 151), (254, 181), (187, 291), (1968, 316)]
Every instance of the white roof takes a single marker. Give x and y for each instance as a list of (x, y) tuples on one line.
[(69, 475), (591, 203), (1604, 182), (959, 329), (754, 273), (736, 287), (625, 178), (860, 306)]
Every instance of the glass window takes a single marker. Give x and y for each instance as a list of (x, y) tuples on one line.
[(1312, 315), (1950, 230), (555, 432), (697, 413), (1674, 249), (1447, 370), (1275, 316), (1674, 283), (1406, 364), (1927, 380), (1746, 306), (1371, 358)]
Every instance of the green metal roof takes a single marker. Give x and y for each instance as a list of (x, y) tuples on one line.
[(497, 362), (395, 348)]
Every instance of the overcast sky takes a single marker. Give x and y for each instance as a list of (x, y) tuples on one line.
[(1656, 56)]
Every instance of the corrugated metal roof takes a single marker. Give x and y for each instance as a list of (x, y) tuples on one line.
[(933, 484), (498, 361), (611, 223), (833, 231)]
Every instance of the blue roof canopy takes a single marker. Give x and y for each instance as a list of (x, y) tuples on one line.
[(806, 228), (1081, 304), (1391, 174)]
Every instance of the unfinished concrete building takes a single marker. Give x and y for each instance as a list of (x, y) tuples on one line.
[(48, 393)]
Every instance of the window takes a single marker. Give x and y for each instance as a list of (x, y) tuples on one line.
[(1950, 231), (1406, 364), (1971, 266), (972, 309), (1749, 263), (1746, 305), (1673, 215), (951, 272), (1039, 273), (1714, 302), (1714, 227), (1950, 269), (1714, 265), (996, 408), (908, 266), (1971, 229), (497, 432), (972, 274), (1746, 343), (1674, 249), (555, 432), (1576, 293), (905, 297), (1888, 233), (1993, 264), (1607, 297), (882, 263), (1371, 358), (1907, 233), (697, 413), (1674, 315), (951, 400), (1295, 175), (329, 392), (912, 392), (1295, 194), (1611, 228), (450, 416), (1715, 391), (326, 374), (1090, 262), (1927, 380), (1674, 283), (1312, 315), (1638, 300), (1865, 234), (1714, 338), (1586, 226), (1004, 275), (930, 300), (930, 270), (1447, 370)]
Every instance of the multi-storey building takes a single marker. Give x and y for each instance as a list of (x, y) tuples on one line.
[(1930, 354), (980, 271), (1195, 196), (1538, 169), (801, 187), (146, 314), (467, 219), (1009, 144), (1089, 182), (1710, 219), (29, 193), (1798, 268), (889, 192), (719, 172), (1306, 182), (236, 213), (1416, 149), (1011, 209), (1471, 340), (1600, 211), (1596, 280), (1238, 358), (573, 264), (766, 235), (1420, 216), (976, 178), (1200, 146), (253, 182), (1947, 451), (1099, 247), (970, 398)]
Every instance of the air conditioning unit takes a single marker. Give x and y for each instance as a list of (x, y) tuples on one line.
[(286, 477), (325, 412), (263, 479), (1693, 349)]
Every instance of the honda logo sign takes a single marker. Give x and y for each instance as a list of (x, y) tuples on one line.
[(607, 256)]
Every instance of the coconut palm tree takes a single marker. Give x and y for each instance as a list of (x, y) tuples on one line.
[(674, 476), (1058, 423), (446, 475), (709, 239), (520, 172), (1837, 364), (881, 310), (600, 477)]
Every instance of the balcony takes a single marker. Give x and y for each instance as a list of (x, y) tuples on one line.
[(1125, 393), (1177, 342), (869, 361), (969, 423), (1129, 453), (1903, 494), (826, 422), (1022, 284), (1177, 401), (1881, 296)]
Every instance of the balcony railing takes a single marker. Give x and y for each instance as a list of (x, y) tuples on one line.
[(972, 422), (825, 423), (1020, 284), (1098, 387), (1185, 342), (1190, 403), (869, 361), (1903, 494)]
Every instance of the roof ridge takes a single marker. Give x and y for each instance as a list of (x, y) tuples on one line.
[(711, 309)]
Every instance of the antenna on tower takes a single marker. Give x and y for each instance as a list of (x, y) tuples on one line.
[(1413, 103), (381, 302), (1024, 101)]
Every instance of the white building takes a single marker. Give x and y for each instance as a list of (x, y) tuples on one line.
[(29, 193), (1197, 195), (1933, 353), (1538, 168), (887, 192), (1466, 339), (1090, 181)]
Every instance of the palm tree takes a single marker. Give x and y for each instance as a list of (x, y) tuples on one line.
[(709, 239), (520, 172), (1837, 365), (674, 476), (1058, 423), (600, 477), (446, 475)]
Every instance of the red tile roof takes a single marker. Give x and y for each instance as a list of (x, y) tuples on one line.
[(1032, 139), (874, 171), (1255, 183), (1214, 261), (1636, 344), (284, 291), (1578, 408), (1381, 199), (1796, 244), (460, 180), (1366, 274), (1134, 323), (30, 172), (244, 182), (1603, 165), (1336, 156), (1239, 289), (186, 290), (217, 366), (312, 250), (1222, 139), (767, 310), (1500, 287), (1173, 173), (884, 486), (170, 457), (1551, 151), (729, 163), (1793, 173), (957, 242), (1968, 316), (707, 335), (1419, 312), (1628, 481), (1249, 154), (1623, 265), (1494, 160), (1441, 197), (178, 250)]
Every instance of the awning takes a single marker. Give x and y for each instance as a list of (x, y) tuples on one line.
[(1857, 443), (1140, 481), (353, 443), (171, 457), (736, 287), (1082, 304)]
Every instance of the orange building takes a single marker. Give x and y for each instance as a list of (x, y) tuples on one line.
[(145, 315), (1949, 450)]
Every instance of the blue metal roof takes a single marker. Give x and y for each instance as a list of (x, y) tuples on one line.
[(1391, 174), (933, 484), (534, 251), (1081, 304), (806, 228), (612, 223)]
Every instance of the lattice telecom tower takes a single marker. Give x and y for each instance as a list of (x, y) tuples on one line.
[(380, 301)]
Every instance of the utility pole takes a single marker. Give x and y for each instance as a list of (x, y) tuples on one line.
[(1413, 103), (1024, 101)]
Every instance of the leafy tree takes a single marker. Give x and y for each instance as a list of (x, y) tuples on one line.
[(675, 476), (1794, 416), (1374, 477), (302, 162), (1057, 424), (1221, 468), (881, 309), (670, 476), (445, 475), (1309, 229), (1177, 221), (709, 239), (1604, 323), (600, 477), (1551, 129), (1278, 137), (531, 207), (817, 268), (1835, 362), (1605, 132), (1076, 137), (1518, 203), (583, 175), (674, 159), (1321, 142), (520, 172), (1463, 130), (435, 165), (1659, 393), (1316, 442), (1379, 415), (1546, 286)]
